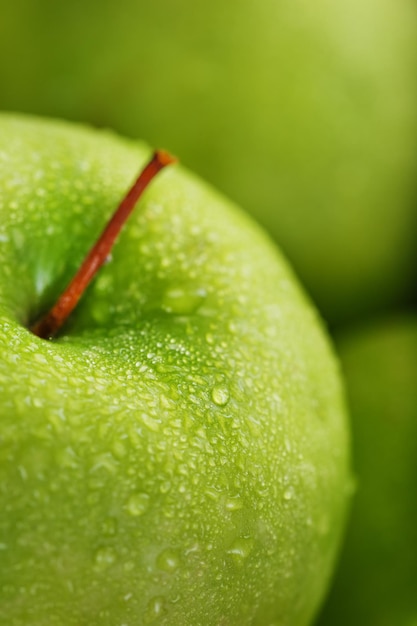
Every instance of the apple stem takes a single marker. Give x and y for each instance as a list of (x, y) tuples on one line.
[(49, 325)]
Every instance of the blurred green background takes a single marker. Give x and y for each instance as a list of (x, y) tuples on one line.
[(305, 113)]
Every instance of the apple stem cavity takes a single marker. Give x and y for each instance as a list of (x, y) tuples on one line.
[(48, 326)]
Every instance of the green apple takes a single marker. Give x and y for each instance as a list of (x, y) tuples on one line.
[(305, 113), (179, 454), (376, 582)]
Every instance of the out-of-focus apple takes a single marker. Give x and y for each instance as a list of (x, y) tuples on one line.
[(376, 580)]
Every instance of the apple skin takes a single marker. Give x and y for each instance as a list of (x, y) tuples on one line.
[(376, 579), (180, 454), (305, 114)]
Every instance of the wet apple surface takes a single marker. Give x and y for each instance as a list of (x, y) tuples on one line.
[(179, 454)]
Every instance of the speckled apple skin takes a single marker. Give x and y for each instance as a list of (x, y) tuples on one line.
[(180, 454)]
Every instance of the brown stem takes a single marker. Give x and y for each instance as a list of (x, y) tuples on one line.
[(49, 325)]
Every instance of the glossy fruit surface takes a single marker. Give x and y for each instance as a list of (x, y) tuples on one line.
[(179, 454), (376, 580), (305, 114)]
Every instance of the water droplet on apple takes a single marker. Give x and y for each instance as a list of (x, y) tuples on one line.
[(138, 504), (104, 557), (212, 493), (182, 301), (241, 549), (40, 358), (233, 504), (103, 462), (155, 609), (220, 395), (289, 493), (168, 561), (150, 422)]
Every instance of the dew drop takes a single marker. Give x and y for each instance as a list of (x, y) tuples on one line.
[(138, 504), (40, 358), (155, 609), (220, 395), (182, 301), (289, 494), (104, 557), (233, 504), (240, 549), (103, 462), (212, 493), (150, 422), (168, 561)]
